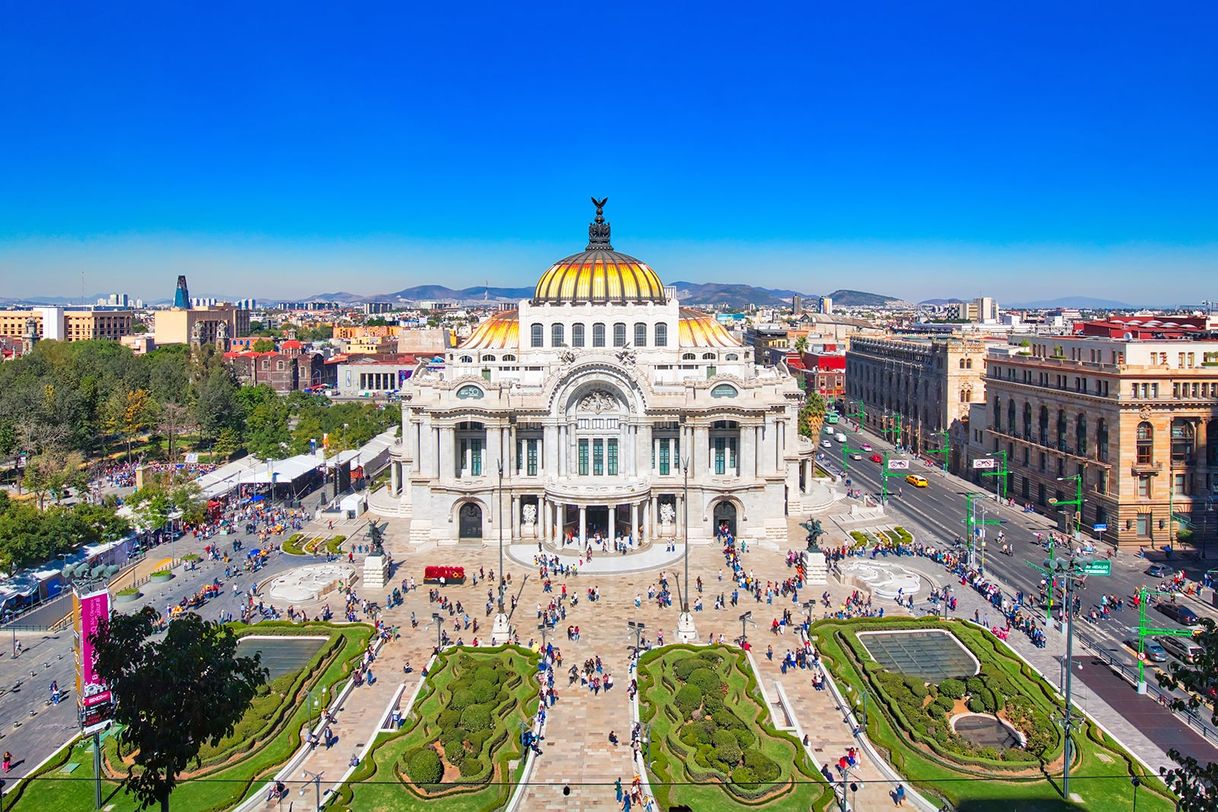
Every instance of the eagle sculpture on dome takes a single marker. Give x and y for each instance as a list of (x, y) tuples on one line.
[(600, 204)]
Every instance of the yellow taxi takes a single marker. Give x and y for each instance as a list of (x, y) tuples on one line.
[(917, 481)]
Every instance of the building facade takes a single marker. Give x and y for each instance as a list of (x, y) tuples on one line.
[(593, 408), (1135, 420), (916, 390), (63, 324), (200, 325)]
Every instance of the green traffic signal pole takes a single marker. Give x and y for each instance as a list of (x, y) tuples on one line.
[(861, 414), (846, 452), (893, 430), (1077, 502), (1001, 474), (974, 524), (1145, 630), (885, 474), (946, 450)]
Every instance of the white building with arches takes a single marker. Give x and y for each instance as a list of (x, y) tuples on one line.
[(578, 412)]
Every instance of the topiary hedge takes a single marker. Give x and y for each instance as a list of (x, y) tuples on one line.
[(424, 766)]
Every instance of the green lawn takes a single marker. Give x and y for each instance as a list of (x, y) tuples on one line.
[(264, 739), (381, 783), (695, 701), (1101, 771)]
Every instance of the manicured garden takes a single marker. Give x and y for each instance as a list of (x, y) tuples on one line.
[(299, 544), (908, 719), (712, 744), (266, 736), (459, 748)]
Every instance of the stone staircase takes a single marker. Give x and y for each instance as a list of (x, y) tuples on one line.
[(382, 503)]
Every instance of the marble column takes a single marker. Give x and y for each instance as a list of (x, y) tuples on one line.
[(634, 521), (612, 521), (583, 525), (395, 478), (543, 508), (514, 527)]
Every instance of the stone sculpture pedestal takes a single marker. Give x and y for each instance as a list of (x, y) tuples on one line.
[(817, 570), (376, 571), (501, 632), (686, 633)]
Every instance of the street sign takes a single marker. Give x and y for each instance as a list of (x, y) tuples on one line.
[(1099, 528), (1099, 567), (985, 463), (898, 465)]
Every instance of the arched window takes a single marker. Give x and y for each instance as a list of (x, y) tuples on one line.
[(661, 335), (577, 335), (466, 359), (598, 335), (688, 356), (1145, 443), (962, 363), (1061, 429), (557, 336), (535, 335), (1080, 435), (619, 335), (508, 358), (1183, 439), (731, 356), (708, 356), (1027, 420), (1043, 425), (1101, 440), (1011, 416), (640, 334), (488, 358)]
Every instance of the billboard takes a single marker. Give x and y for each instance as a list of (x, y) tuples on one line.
[(985, 463), (87, 613), (898, 465)]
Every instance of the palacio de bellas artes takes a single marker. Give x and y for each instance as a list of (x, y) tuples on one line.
[(599, 413)]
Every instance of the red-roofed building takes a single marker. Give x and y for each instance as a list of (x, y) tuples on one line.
[(824, 373), (1143, 328)]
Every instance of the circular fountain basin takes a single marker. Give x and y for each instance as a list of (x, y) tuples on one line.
[(883, 578), (986, 730), (310, 582)]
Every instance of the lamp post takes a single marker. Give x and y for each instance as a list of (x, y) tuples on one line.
[(745, 619), (686, 633), (637, 627), (315, 780), (439, 621), (500, 631)]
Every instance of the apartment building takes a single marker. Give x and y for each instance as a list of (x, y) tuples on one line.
[(64, 324)]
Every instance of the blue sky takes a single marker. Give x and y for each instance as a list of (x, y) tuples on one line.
[(930, 149)]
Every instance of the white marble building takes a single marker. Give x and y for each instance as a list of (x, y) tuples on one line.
[(575, 413)]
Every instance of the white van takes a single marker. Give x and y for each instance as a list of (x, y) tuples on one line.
[(841, 438)]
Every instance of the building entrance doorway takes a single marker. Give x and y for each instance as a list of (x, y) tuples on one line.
[(725, 515), (470, 521)]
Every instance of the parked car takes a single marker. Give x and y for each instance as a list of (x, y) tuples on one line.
[(876, 458), (1160, 571), (917, 481), (1181, 614), (1182, 649)]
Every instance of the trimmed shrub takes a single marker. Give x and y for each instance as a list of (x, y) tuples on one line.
[(952, 688), (485, 673), (686, 666), (476, 717), (472, 766), (463, 697), (688, 699), (706, 681), (764, 768), (729, 753), (484, 692), (449, 718), (424, 766), (975, 704)]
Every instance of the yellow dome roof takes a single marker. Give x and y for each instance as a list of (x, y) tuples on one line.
[(500, 332), (700, 329), (599, 274)]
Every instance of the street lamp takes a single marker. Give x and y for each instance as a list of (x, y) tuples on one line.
[(500, 631), (315, 780), (439, 621), (1077, 502), (637, 627), (745, 619), (686, 633)]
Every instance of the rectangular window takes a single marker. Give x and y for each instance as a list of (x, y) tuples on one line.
[(1143, 487), (612, 457), (532, 466), (583, 457), (598, 457), (665, 463), (519, 455), (1178, 485), (475, 453), (720, 455), (1101, 481), (1143, 525)]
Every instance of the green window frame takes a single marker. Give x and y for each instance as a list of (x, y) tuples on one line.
[(532, 464), (665, 464), (598, 457), (612, 457), (583, 457)]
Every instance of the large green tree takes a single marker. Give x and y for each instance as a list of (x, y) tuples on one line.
[(172, 695)]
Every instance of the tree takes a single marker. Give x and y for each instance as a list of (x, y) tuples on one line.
[(1195, 784), (801, 344), (173, 695), (173, 419), (128, 414), (266, 430), (216, 406), (811, 415), (263, 345), (154, 504), (42, 474)]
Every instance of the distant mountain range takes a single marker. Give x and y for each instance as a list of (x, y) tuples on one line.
[(1078, 302)]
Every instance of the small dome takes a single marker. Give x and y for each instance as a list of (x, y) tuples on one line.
[(598, 274), (500, 332), (700, 329)]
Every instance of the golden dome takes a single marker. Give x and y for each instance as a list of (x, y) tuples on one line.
[(598, 274), (700, 329), (500, 332)]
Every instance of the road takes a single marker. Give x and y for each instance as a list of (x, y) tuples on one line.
[(938, 514)]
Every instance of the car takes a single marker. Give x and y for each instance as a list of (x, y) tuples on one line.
[(876, 458), (829, 430), (1153, 651), (841, 438), (916, 481), (1185, 651), (826, 444), (856, 456), (1181, 614), (866, 446), (1160, 571)]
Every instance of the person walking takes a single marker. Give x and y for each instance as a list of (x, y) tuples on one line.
[(8, 761), (898, 797)]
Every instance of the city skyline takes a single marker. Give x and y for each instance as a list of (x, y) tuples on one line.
[(1023, 155)]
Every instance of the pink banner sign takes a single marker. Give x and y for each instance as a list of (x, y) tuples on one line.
[(90, 610)]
